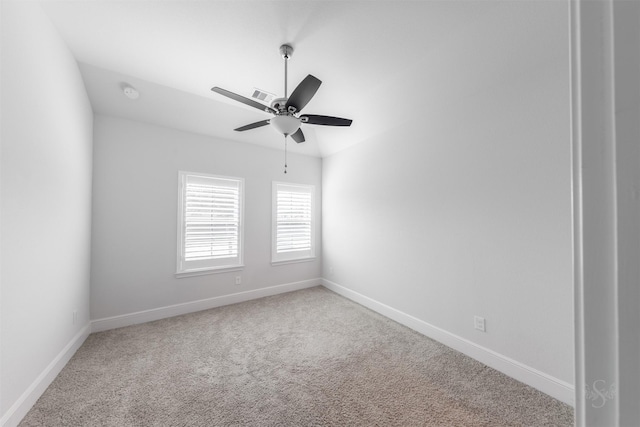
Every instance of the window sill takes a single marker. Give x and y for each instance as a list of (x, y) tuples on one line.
[(205, 271), (293, 261)]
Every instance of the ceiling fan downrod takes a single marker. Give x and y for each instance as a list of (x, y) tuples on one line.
[(286, 51)]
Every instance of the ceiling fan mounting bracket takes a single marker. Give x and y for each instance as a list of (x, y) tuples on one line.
[(286, 51)]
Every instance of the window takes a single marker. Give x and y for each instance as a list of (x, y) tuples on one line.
[(293, 235), (209, 223)]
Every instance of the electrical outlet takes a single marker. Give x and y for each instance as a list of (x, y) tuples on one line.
[(238, 280), (75, 316), (479, 323)]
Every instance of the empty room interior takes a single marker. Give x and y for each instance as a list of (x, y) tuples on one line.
[(306, 213)]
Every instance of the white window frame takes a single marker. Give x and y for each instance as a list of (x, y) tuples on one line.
[(291, 256), (186, 268)]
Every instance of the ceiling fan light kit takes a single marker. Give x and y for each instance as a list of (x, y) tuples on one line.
[(285, 124), (286, 118)]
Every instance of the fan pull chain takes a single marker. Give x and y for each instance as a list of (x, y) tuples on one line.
[(285, 154)]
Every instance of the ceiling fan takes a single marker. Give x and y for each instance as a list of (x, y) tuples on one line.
[(286, 110)]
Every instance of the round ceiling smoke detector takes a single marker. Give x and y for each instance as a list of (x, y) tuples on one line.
[(130, 92)]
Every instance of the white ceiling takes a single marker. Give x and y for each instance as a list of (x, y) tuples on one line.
[(376, 59)]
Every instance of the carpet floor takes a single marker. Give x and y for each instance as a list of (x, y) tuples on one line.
[(305, 358)]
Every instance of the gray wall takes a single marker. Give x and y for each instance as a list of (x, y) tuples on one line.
[(46, 199), (467, 210), (135, 195)]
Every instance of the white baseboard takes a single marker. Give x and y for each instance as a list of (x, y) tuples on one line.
[(193, 306), (552, 386), (20, 408)]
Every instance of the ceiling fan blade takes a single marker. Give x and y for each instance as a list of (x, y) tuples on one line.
[(298, 136), (253, 125), (314, 119), (240, 98), (303, 93)]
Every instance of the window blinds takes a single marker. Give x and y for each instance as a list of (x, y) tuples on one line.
[(210, 222), (293, 228), (294, 221)]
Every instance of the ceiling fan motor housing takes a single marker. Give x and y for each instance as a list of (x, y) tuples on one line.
[(279, 104)]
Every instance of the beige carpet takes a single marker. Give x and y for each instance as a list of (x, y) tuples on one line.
[(306, 358)]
